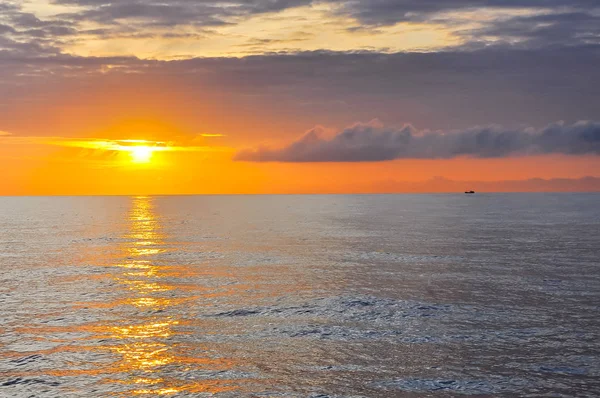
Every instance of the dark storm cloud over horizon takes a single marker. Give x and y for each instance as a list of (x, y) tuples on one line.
[(373, 142)]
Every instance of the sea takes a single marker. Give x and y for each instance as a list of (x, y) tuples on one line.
[(487, 295)]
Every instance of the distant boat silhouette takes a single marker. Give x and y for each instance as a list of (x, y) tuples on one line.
[(469, 192)]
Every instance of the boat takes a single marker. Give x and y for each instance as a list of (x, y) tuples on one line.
[(469, 192)]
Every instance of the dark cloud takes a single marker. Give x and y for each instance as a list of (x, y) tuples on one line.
[(550, 22), (130, 19), (565, 29), (389, 12), (24, 35), (6, 29), (372, 142), (553, 22), (435, 90), (174, 12)]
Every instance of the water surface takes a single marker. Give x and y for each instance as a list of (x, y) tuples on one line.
[(300, 296)]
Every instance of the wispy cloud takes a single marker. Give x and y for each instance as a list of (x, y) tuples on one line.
[(113, 145), (128, 145), (212, 135)]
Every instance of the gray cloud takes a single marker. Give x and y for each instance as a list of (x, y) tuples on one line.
[(565, 29), (388, 12), (174, 12), (24, 35), (435, 90), (570, 23), (557, 22), (126, 19), (372, 142), (366, 11), (552, 74)]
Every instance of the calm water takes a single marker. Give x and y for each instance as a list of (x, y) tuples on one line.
[(300, 296)]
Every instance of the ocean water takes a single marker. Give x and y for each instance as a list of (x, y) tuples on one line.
[(300, 296)]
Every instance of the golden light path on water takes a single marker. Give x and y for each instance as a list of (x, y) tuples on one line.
[(147, 347), (152, 310), (125, 337)]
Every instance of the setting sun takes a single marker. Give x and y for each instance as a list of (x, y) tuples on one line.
[(141, 154)]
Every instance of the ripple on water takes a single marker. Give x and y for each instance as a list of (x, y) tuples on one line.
[(466, 387), (312, 296)]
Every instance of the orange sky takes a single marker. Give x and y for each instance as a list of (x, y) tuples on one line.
[(56, 152), (33, 168)]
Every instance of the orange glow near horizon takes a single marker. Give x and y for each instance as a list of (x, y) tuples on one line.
[(167, 159)]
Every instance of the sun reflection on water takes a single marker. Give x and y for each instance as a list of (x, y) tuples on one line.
[(147, 345)]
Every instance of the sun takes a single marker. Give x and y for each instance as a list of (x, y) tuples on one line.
[(141, 153)]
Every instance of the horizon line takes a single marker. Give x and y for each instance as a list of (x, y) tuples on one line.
[(297, 194)]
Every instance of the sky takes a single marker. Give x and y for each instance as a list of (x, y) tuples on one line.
[(298, 96)]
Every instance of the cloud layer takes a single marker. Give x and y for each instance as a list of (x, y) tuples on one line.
[(519, 62), (66, 25), (373, 142)]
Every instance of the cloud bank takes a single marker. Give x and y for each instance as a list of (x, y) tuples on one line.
[(374, 142)]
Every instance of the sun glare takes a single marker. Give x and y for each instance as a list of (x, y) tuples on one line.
[(141, 154)]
